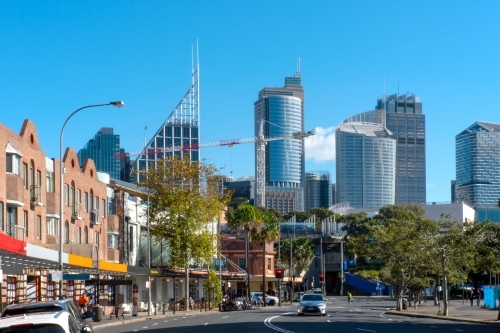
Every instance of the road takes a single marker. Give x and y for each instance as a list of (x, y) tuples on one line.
[(363, 316)]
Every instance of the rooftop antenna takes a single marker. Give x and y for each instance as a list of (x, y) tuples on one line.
[(298, 68)]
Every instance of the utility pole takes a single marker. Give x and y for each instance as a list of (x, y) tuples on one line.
[(322, 283), (341, 268)]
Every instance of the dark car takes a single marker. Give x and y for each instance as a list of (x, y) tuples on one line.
[(67, 305)]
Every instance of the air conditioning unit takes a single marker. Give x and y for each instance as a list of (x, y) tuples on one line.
[(94, 218)]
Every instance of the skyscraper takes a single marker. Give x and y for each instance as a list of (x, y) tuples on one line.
[(404, 118), (478, 165), (318, 190), (282, 110), (103, 148), (366, 165)]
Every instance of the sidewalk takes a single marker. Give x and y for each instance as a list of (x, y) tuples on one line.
[(457, 311), (142, 316)]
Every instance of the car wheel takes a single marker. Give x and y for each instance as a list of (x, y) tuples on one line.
[(272, 302), (300, 314)]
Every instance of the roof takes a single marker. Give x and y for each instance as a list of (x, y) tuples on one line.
[(481, 126), (60, 317), (367, 129)]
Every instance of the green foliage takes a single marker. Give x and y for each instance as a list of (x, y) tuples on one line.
[(299, 216), (213, 283), (302, 253), (277, 215)]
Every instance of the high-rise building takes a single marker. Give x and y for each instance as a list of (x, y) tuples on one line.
[(179, 134), (282, 110), (366, 165), (318, 190), (243, 187), (404, 118), (103, 148), (478, 165)]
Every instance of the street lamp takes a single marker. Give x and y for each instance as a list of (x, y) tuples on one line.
[(117, 104)]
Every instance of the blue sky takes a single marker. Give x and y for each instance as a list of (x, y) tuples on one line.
[(60, 55)]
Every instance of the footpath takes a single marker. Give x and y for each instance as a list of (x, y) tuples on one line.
[(143, 316), (457, 311)]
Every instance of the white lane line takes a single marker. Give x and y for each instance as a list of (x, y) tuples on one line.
[(328, 320), (155, 324), (361, 329), (166, 321), (205, 324), (145, 327), (225, 317), (183, 317), (267, 322)]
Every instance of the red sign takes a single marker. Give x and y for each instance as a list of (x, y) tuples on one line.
[(12, 245)]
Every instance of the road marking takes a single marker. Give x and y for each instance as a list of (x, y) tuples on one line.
[(267, 322), (145, 327), (225, 317), (328, 320), (166, 321), (361, 329), (205, 324), (155, 324)]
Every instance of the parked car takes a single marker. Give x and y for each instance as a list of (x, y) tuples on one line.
[(66, 305), (270, 300), (298, 296), (312, 304), (54, 322)]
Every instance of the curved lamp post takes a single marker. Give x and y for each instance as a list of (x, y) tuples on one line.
[(117, 104)]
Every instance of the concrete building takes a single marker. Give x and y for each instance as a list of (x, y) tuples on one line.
[(455, 211), (282, 110), (366, 165)]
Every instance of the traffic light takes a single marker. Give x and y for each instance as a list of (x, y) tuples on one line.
[(278, 273), (321, 276)]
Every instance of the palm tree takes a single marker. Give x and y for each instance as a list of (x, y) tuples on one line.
[(269, 232), (245, 218)]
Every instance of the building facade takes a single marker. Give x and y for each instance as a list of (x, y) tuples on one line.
[(405, 120), (103, 149), (318, 190), (366, 165), (282, 110), (478, 165)]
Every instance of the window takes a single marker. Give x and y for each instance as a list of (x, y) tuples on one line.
[(25, 175), (86, 201), (111, 207), (78, 235), (12, 221), (11, 289), (13, 161), (1, 215), (85, 235), (70, 289), (112, 240), (72, 194), (50, 181), (66, 232), (39, 178), (91, 201), (268, 264), (242, 263), (50, 291), (26, 222), (38, 226), (97, 203), (52, 226), (66, 194)]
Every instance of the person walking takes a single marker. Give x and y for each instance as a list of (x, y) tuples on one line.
[(82, 303), (191, 303), (349, 298), (478, 297), (470, 295)]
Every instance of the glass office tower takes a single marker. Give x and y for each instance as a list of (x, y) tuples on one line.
[(318, 190), (404, 118), (478, 165), (103, 148), (366, 165), (283, 112)]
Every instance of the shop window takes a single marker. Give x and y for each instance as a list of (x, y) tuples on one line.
[(51, 291), (11, 289), (70, 289)]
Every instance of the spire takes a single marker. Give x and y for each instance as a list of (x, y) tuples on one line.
[(298, 68)]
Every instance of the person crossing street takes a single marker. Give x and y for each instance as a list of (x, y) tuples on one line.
[(349, 298)]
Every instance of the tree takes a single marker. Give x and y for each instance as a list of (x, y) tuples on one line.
[(183, 203), (246, 218), (300, 216), (398, 242), (269, 232)]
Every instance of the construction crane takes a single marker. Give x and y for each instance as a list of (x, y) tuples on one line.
[(260, 140)]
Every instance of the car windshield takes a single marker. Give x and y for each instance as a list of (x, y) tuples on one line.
[(22, 310), (32, 328), (312, 297)]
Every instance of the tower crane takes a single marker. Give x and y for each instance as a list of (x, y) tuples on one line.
[(260, 140)]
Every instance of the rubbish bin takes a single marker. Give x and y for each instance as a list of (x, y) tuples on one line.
[(405, 304), (98, 310)]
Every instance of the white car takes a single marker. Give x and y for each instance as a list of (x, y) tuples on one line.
[(270, 300), (312, 304), (54, 322)]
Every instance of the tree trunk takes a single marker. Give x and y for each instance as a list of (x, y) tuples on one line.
[(445, 286), (399, 305), (435, 294), (264, 274), (186, 300)]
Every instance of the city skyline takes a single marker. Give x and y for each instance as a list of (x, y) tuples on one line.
[(59, 59)]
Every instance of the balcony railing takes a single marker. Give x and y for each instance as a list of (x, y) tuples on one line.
[(94, 216), (15, 231), (76, 211), (36, 194)]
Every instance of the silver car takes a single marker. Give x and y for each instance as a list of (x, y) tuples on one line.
[(312, 304)]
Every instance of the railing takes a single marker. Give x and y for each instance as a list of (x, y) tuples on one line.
[(15, 231), (35, 193), (94, 216), (76, 210)]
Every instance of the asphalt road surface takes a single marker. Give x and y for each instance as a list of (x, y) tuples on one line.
[(363, 316)]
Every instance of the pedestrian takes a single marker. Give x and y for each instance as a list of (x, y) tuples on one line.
[(471, 296), (349, 298), (82, 302), (191, 303), (478, 297)]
